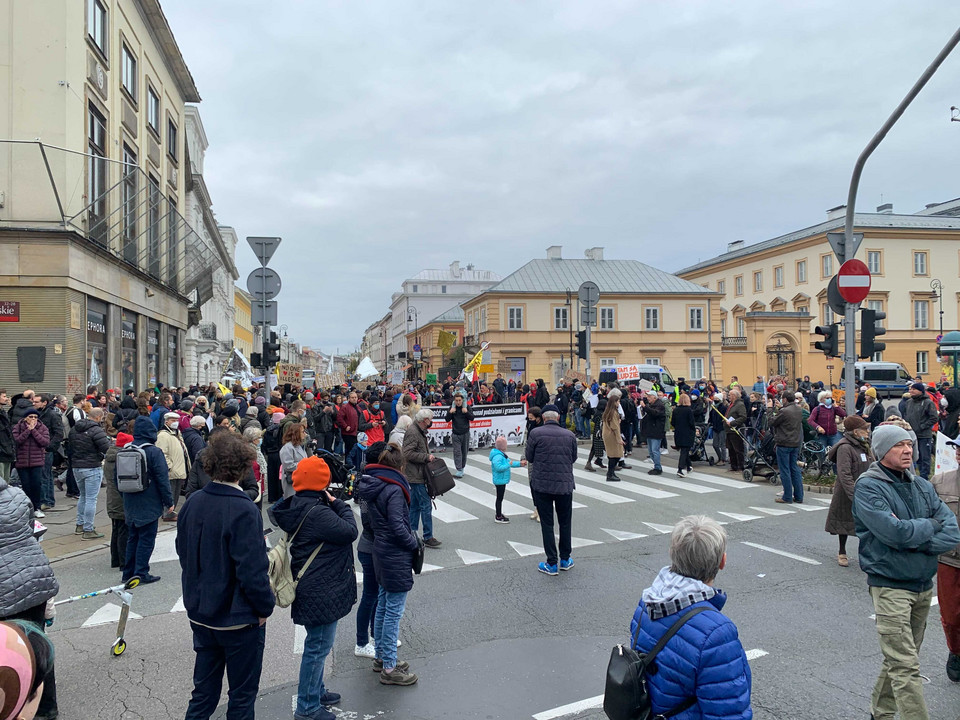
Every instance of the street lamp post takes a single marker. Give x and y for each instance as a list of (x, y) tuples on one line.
[(937, 287), (283, 329), (416, 333)]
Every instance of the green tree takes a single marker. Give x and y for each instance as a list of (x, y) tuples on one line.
[(457, 357)]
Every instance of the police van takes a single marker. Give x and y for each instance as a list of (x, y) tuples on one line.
[(890, 379), (633, 374)]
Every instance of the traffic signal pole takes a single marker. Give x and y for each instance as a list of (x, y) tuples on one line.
[(850, 316)]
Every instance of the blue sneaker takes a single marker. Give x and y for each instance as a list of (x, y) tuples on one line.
[(458, 474), (547, 569), (566, 564)]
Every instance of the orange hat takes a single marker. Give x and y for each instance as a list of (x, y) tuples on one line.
[(312, 473)]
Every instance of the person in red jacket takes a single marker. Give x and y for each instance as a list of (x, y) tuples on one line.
[(350, 420), (375, 417)]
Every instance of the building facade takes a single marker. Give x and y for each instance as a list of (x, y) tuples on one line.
[(775, 292), (432, 356), (242, 326), (97, 261), (645, 315)]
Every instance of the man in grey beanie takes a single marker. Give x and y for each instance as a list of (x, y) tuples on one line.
[(903, 526)]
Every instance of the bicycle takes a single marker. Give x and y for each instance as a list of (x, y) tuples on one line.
[(813, 461)]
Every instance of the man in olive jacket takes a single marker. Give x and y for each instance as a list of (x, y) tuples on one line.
[(787, 425), (903, 526), (416, 455)]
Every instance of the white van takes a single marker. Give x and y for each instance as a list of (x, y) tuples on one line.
[(632, 374), (890, 379)]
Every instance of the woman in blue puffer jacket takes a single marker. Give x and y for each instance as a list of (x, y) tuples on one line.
[(704, 663), (501, 465)]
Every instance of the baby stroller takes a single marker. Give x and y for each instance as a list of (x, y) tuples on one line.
[(759, 450), (699, 450), (342, 479)]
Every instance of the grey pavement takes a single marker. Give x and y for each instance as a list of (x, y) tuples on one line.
[(491, 637)]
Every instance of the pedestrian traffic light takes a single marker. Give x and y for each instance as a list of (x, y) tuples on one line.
[(831, 339), (256, 360), (582, 344), (271, 350), (869, 332)]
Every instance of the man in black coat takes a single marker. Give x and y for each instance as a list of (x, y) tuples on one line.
[(49, 416), (654, 428), (88, 447), (8, 449)]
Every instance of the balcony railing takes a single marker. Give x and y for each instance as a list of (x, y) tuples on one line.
[(115, 205), (733, 342), (208, 331)]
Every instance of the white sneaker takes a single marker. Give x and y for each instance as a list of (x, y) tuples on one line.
[(367, 651), (39, 513), (399, 641)]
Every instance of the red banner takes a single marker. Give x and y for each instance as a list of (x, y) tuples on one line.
[(9, 311)]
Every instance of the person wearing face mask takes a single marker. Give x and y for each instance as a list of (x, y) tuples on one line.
[(824, 419), (459, 417), (170, 441), (377, 420), (852, 456)]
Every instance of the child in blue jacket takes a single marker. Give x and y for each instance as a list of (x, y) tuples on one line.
[(501, 465)]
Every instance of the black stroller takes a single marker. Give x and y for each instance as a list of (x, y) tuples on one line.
[(759, 449), (342, 479), (699, 450)]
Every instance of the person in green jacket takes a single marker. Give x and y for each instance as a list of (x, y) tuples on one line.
[(501, 465)]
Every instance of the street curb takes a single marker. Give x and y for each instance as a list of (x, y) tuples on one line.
[(92, 549), (821, 489)]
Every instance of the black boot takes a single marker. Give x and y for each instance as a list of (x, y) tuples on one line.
[(611, 471), (599, 463), (953, 667)]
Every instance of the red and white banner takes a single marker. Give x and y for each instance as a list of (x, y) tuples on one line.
[(489, 422)]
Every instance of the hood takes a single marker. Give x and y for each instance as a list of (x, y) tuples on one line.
[(375, 480), (144, 430), (670, 593), (23, 403), (124, 439), (129, 403), (847, 439)]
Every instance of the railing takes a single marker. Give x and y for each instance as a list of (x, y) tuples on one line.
[(208, 331), (114, 205), (733, 342), (469, 340)]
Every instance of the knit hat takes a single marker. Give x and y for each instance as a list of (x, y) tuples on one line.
[(260, 400), (308, 396), (252, 411), (871, 392), (30, 411), (312, 473), (885, 437), (277, 417), (186, 405), (919, 387), (854, 422), (551, 408), (124, 439)]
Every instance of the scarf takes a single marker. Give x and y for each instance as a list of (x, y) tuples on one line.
[(671, 592)]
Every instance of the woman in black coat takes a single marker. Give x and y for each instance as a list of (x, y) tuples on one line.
[(684, 432), (322, 531), (384, 494)]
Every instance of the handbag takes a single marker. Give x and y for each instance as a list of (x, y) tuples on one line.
[(438, 477), (280, 568), (626, 695), (418, 556)]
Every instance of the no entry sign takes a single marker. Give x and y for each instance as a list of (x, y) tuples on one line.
[(853, 281)]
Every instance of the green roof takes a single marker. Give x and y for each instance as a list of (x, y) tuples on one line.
[(453, 315)]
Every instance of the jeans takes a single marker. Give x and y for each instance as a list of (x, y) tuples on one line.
[(367, 609), (46, 486), (89, 480), (654, 445), (118, 543), (546, 502), (140, 542), (578, 422), (790, 476), (925, 448), (317, 646), (31, 482), (420, 508), (241, 653), (830, 440), (386, 628), (461, 445), (720, 445)]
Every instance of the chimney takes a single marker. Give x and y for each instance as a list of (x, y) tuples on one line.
[(735, 245), (885, 209), (594, 253), (455, 268), (838, 212), (553, 252)]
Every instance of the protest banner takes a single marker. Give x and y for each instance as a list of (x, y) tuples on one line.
[(489, 422), (946, 455), (645, 385), (289, 373), (573, 376)]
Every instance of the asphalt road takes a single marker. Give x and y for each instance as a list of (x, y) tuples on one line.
[(490, 637)]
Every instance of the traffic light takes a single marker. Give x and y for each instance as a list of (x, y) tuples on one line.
[(582, 344), (256, 360), (831, 339), (869, 332), (271, 350)]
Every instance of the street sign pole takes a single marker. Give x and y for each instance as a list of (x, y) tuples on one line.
[(589, 296), (264, 248)]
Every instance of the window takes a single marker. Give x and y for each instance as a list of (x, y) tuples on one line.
[(758, 281), (515, 318), (877, 356), (723, 327), (443, 289), (97, 25), (878, 306), (414, 289), (606, 318), (827, 314), (172, 143), (129, 199), (778, 276), (801, 271), (873, 261), (741, 327), (696, 318), (922, 362), (560, 318), (483, 319), (920, 313), (721, 286), (803, 309), (920, 263), (153, 110), (173, 231), (128, 73), (826, 266), (153, 228), (651, 361), (96, 176), (696, 368), (738, 285), (651, 318), (608, 362)]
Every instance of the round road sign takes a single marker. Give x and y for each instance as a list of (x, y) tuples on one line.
[(263, 283), (853, 281), (589, 293)]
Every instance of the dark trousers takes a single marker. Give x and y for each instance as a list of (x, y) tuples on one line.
[(241, 653), (735, 450), (48, 701), (546, 502), (348, 442), (501, 489), (684, 460), (31, 482), (72, 487), (118, 543), (326, 440), (925, 446), (140, 542), (367, 608), (274, 489)]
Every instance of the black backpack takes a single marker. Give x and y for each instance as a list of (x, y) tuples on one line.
[(626, 696), (272, 440)]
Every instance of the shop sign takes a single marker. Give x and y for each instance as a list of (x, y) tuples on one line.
[(9, 311)]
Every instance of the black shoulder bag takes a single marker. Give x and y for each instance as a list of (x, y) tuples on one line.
[(626, 696)]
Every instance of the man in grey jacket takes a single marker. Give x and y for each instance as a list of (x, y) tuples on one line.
[(903, 526), (787, 425), (922, 415), (416, 455)]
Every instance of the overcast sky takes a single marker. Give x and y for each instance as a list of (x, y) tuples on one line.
[(381, 138)]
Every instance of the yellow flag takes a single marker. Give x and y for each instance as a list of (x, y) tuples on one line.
[(445, 341), (224, 389), (477, 359)]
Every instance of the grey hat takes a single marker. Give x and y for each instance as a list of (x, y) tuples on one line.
[(885, 437), (252, 411), (186, 405)]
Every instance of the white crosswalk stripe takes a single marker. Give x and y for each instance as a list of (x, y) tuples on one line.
[(473, 558), (487, 499), (623, 485), (773, 510), (703, 477), (476, 469), (739, 517), (621, 535)]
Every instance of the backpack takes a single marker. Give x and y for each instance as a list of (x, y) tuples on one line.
[(280, 570), (271, 440), (626, 695), (131, 465)]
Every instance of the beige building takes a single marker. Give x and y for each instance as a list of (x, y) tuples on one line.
[(97, 262), (242, 326), (645, 315), (774, 292), (432, 357)]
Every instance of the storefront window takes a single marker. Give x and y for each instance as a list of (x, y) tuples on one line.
[(128, 356), (153, 352), (173, 360), (96, 342)]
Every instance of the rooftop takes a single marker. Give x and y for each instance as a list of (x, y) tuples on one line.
[(456, 273), (453, 315)]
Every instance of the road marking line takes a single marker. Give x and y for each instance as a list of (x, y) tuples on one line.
[(667, 482), (801, 506), (570, 709), (524, 550), (109, 613), (515, 485), (781, 552), (486, 499), (473, 558), (773, 511), (179, 607), (662, 529), (445, 512), (824, 500), (622, 535), (625, 486), (738, 516), (583, 542), (704, 477), (756, 653)]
